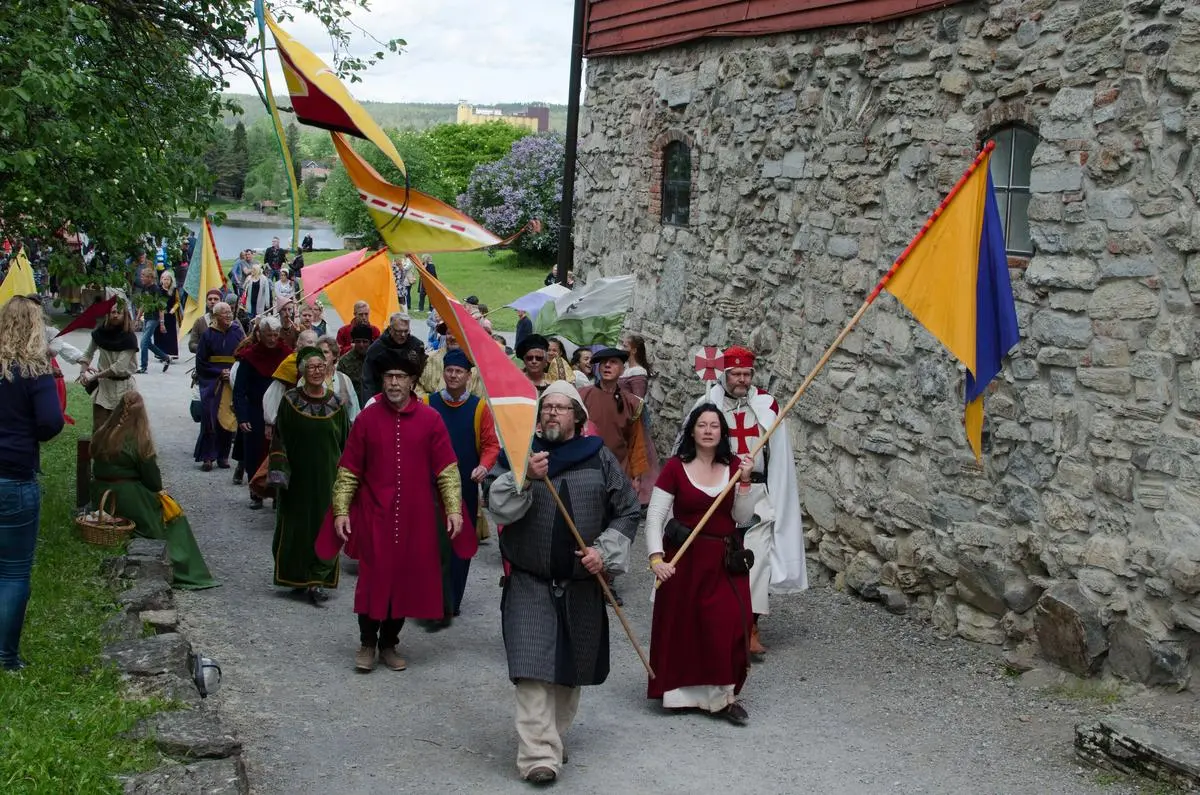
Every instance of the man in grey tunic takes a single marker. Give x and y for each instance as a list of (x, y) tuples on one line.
[(553, 613)]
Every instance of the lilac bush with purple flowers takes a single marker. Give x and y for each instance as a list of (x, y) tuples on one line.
[(523, 185)]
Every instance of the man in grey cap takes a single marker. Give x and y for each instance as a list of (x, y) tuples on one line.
[(553, 612)]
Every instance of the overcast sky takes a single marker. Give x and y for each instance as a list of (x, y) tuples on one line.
[(483, 51)]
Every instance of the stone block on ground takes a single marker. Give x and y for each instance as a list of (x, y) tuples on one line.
[(171, 686), (151, 656), (189, 734), (151, 594), (147, 559), (162, 621), (208, 777), (1137, 655), (122, 625), (1136, 748), (1069, 629)]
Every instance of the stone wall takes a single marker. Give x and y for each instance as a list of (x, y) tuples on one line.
[(819, 155)]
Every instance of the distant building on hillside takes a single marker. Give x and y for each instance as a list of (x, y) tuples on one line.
[(535, 118), (315, 169)]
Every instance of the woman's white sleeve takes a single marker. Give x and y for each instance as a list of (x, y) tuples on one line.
[(743, 505), (657, 514)]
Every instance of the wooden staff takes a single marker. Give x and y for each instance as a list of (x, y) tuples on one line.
[(599, 577), (837, 342)]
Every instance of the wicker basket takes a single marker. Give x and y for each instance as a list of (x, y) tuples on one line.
[(104, 528)]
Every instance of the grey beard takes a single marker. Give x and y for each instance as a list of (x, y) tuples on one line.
[(553, 434)]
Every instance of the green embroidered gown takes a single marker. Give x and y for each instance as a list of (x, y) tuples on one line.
[(307, 443), (135, 483)]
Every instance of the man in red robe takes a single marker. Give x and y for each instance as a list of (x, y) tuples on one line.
[(389, 512)]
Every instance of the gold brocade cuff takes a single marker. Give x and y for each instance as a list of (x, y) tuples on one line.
[(345, 485), (450, 487)]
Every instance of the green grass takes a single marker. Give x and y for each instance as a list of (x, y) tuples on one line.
[(63, 717), (496, 280), (1089, 690)]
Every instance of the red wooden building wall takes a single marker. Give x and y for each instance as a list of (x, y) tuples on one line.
[(625, 26)]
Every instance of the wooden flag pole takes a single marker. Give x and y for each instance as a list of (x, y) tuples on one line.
[(600, 578), (837, 342)]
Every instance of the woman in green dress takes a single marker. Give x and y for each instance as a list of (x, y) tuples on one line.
[(124, 462), (310, 432)]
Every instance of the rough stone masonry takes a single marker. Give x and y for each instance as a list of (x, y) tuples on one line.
[(816, 157)]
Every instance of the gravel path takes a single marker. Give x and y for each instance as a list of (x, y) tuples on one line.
[(850, 700)]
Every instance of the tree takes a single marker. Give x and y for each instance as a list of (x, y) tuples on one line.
[(459, 148), (292, 137), (523, 185), (240, 160), (345, 209), (107, 111)]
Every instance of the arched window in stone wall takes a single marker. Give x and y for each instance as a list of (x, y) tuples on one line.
[(1011, 165), (676, 189)]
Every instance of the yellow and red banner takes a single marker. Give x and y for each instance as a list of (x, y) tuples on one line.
[(320, 99), (511, 396)]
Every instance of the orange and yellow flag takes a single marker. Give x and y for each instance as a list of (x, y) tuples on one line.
[(407, 219), (370, 281)]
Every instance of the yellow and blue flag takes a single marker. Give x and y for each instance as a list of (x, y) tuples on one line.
[(955, 282)]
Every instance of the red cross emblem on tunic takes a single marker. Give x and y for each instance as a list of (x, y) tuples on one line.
[(742, 433), (709, 363)]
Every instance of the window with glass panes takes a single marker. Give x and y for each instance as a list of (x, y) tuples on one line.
[(676, 183), (1012, 161)]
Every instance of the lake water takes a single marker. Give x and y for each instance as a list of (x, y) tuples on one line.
[(234, 236)]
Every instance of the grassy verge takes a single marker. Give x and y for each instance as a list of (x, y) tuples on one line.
[(63, 717), (495, 279)]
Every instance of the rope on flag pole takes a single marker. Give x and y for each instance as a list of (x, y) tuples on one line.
[(837, 343)]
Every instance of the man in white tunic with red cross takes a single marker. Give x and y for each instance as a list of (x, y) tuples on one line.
[(776, 537)]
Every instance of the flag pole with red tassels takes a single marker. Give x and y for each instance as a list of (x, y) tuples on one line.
[(837, 343)]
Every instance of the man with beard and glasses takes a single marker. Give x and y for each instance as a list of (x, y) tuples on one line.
[(397, 507), (395, 338), (553, 614)]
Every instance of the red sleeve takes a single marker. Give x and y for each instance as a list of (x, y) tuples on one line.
[(489, 442), (374, 333), (667, 478), (354, 454)]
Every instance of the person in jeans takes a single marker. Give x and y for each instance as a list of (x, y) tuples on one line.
[(152, 310), (29, 414)]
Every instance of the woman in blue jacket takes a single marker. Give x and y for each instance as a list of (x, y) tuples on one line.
[(29, 415)]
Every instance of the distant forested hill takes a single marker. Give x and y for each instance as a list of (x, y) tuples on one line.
[(399, 115)]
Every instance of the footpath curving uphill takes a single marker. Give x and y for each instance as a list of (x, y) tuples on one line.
[(849, 700)]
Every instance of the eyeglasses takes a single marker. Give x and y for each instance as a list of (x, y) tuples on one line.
[(532, 358), (550, 408)]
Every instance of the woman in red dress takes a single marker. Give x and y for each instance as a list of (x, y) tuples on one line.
[(702, 618)]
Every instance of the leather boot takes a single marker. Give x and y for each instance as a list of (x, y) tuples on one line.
[(756, 646)]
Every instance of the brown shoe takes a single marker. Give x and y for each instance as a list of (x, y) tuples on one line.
[(392, 659), (364, 659), (756, 647), (541, 775)]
